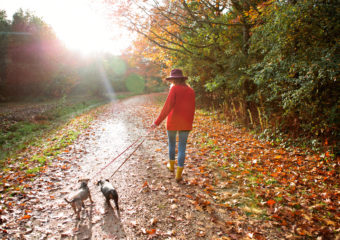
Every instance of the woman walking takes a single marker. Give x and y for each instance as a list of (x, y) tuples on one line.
[(180, 110)]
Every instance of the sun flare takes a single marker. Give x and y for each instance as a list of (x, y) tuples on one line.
[(81, 24), (90, 32)]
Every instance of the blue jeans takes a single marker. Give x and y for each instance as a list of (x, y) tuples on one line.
[(182, 144)]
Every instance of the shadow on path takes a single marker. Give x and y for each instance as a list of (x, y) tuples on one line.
[(111, 223)]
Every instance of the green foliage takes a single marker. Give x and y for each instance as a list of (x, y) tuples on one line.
[(16, 136), (115, 66), (135, 83), (17, 132), (268, 63), (101, 75), (297, 74)]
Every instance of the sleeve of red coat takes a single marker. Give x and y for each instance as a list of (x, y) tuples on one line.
[(168, 105)]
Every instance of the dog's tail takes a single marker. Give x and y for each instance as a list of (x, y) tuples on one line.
[(67, 200)]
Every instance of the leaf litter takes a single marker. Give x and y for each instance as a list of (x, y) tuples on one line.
[(235, 186)]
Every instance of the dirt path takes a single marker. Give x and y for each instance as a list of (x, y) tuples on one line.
[(234, 185), (153, 205)]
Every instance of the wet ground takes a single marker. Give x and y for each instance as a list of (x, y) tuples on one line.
[(152, 204)]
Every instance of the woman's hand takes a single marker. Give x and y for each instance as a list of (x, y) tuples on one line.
[(153, 126)]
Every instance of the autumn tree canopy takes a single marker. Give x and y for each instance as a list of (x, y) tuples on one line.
[(265, 61)]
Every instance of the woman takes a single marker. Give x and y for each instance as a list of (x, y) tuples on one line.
[(180, 109)]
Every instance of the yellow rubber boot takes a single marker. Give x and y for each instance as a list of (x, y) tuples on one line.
[(171, 165), (179, 174)]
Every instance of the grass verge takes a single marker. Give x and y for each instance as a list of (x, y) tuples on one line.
[(18, 135)]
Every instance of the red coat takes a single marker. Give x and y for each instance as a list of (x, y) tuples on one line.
[(179, 108)]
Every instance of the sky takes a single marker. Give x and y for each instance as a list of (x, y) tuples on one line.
[(80, 24)]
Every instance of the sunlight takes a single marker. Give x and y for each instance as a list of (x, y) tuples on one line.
[(108, 87), (78, 23)]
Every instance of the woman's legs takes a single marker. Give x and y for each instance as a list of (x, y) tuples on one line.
[(182, 144), (172, 144)]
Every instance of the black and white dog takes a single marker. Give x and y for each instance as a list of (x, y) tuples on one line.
[(109, 192)]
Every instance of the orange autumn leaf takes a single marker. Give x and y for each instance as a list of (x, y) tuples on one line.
[(271, 202), (189, 196), (25, 217), (145, 184), (65, 167), (194, 182), (198, 208), (151, 231)]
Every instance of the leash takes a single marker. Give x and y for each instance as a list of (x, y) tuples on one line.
[(117, 157), (128, 157), (147, 134)]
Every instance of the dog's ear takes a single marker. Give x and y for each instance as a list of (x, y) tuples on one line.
[(98, 183), (107, 180), (83, 184), (86, 180)]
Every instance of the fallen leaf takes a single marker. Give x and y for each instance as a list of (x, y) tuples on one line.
[(201, 234), (25, 217), (145, 184), (188, 215), (170, 233), (133, 223), (199, 208), (329, 222), (173, 206), (271, 202), (153, 221), (151, 231)]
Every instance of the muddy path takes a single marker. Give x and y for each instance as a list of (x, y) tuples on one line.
[(152, 204)]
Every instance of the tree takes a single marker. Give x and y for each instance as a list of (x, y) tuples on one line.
[(34, 56), (264, 60), (4, 29), (297, 71), (211, 34)]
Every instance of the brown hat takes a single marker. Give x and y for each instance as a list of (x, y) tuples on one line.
[(176, 74)]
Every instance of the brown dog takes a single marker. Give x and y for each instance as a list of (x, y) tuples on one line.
[(77, 199)]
